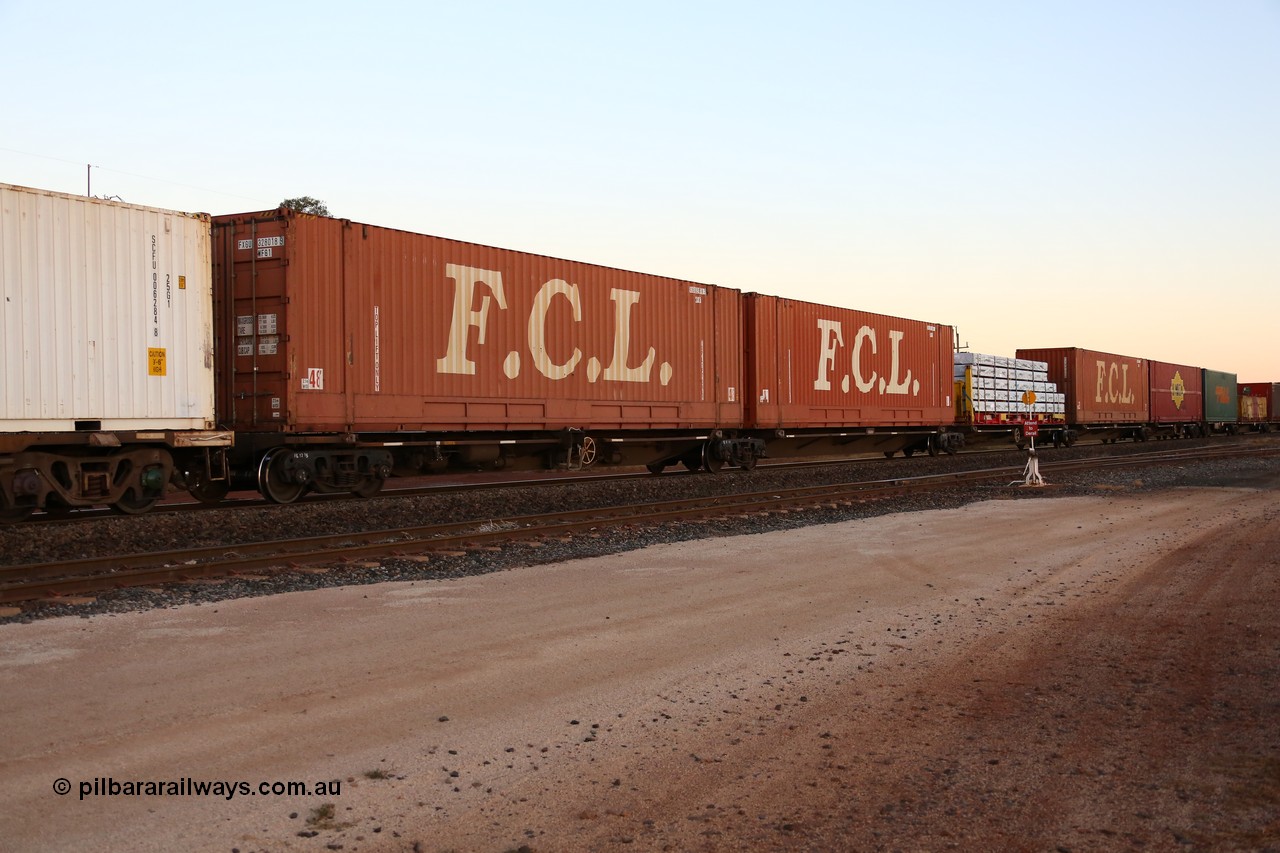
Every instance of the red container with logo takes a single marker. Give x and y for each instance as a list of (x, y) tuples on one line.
[(1101, 388), (1258, 402), (815, 366), (1177, 393), (327, 325)]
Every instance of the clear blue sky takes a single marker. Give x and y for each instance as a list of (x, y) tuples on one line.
[(1098, 174)]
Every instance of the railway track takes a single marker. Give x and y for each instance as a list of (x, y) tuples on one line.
[(446, 484), (30, 582)]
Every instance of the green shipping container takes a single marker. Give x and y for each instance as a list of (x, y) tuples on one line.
[(1221, 399)]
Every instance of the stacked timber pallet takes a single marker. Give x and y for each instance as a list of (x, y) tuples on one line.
[(996, 388)]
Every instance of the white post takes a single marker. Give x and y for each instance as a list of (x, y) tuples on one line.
[(1031, 474)]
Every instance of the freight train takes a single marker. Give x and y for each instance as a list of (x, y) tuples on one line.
[(147, 349)]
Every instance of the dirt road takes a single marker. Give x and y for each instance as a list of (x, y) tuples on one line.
[(1093, 673)]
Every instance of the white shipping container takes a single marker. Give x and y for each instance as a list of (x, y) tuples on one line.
[(106, 315)]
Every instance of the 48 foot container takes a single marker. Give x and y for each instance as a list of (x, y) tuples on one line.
[(425, 351)]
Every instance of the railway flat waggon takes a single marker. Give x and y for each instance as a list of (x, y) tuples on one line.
[(824, 379), (348, 352), (106, 353), (999, 398), (144, 349), (1107, 396)]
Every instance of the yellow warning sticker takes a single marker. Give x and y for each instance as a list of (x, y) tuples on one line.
[(156, 361)]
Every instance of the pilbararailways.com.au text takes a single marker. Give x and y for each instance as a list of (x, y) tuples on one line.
[(188, 787)]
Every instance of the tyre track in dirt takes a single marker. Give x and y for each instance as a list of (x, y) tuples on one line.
[(1050, 674), (1129, 704)]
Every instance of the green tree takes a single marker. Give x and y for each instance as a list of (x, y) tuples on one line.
[(307, 204)]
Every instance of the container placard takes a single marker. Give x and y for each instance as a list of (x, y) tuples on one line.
[(157, 361)]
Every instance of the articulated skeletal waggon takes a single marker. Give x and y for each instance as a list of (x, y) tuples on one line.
[(146, 350)]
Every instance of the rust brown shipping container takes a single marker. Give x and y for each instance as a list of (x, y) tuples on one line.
[(1177, 395), (1101, 388), (328, 325), (813, 366)]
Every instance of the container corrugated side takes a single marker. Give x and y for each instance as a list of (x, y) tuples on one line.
[(1257, 401), (1221, 397), (1176, 394), (339, 325), (1100, 387), (105, 315), (817, 366)]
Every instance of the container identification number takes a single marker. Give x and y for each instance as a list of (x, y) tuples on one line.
[(263, 243)]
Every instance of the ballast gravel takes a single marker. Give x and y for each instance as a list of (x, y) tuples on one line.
[(122, 535), (1095, 669)]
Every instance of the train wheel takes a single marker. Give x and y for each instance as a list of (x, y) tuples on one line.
[(655, 467), (133, 504), (888, 454), (206, 490), (748, 463), (368, 487), (709, 461), (273, 481), (590, 452), (932, 446), (55, 508), (908, 452)]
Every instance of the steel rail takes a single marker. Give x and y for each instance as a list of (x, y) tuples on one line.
[(395, 490), (26, 582)]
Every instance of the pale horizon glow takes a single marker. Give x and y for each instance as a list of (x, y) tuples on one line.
[(1037, 175)]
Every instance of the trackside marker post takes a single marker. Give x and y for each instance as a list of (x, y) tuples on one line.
[(1030, 429)]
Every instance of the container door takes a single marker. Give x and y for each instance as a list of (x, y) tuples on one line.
[(250, 283)]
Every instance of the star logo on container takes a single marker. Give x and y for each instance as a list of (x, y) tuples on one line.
[(1178, 389)]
